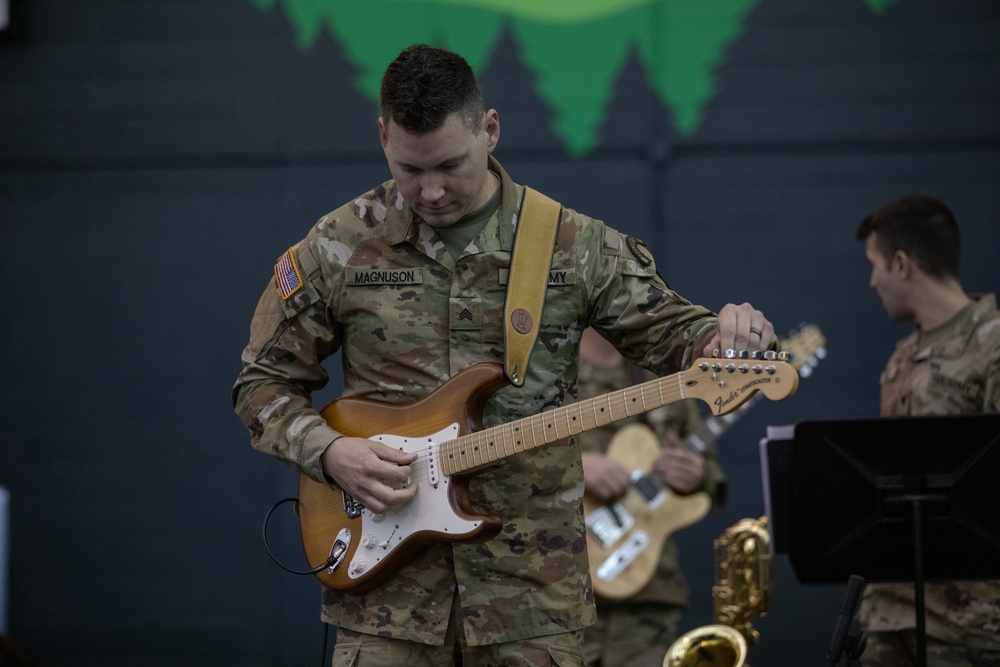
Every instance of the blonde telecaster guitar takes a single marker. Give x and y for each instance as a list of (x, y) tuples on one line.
[(353, 549), (625, 538)]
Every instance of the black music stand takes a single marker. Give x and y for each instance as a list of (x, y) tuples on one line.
[(893, 500)]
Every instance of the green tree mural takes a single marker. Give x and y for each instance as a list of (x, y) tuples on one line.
[(576, 48)]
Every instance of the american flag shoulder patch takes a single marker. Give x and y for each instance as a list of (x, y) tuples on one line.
[(286, 272)]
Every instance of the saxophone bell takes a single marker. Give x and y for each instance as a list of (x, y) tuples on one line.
[(708, 645), (742, 590)]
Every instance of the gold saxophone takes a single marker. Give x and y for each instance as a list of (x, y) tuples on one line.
[(742, 591)]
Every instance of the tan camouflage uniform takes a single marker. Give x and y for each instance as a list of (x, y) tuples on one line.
[(952, 370), (380, 286), (637, 632)]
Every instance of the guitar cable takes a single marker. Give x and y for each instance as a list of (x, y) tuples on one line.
[(329, 561)]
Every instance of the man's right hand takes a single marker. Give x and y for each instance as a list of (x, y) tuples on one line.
[(374, 473), (603, 477)]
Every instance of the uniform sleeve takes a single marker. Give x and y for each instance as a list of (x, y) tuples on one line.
[(290, 336), (651, 325)]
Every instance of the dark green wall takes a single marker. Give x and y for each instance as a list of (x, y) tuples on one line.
[(156, 157)]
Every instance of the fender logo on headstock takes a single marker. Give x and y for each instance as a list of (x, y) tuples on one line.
[(723, 401)]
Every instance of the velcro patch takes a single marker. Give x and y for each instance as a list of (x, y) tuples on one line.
[(557, 277), (384, 277), (286, 272)]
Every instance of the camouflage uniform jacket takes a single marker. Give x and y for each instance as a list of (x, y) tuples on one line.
[(952, 370), (668, 585), (379, 285)]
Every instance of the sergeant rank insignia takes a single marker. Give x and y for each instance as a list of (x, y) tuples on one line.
[(286, 271)]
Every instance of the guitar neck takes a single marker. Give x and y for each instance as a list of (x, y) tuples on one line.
[(486, 447)]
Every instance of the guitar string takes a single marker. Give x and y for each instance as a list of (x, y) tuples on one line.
[(522, 435), (467, 455)]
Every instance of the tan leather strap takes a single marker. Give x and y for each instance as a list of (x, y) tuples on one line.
[(534, 242)]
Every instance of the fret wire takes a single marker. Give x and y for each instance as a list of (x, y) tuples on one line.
[(449, 458), (514, 430), (567, 422), (491, 444), (475, 440), (574, 424), (462, 461), (629, 400), (536, 422)]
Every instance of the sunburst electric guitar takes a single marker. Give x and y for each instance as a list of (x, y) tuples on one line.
[(353, 549), (625, 538)]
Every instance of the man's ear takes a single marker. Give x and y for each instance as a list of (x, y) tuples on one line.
[(902, 263), (383, 134), (491, 125)]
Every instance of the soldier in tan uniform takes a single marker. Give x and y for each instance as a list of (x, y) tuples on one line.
[(637, 631), (949, 365), (408, 281)]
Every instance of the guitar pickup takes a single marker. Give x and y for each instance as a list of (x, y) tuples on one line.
[(610, 522), (338, 550), (352, 508)]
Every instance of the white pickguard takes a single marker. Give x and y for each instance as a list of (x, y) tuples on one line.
[(429, 511)]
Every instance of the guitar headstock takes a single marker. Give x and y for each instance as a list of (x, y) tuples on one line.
[(805, 348), (725, 384)]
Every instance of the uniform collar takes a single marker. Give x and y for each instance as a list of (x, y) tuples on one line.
[(403, 225)]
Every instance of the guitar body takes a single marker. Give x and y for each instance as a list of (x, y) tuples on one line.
[(375, 545), (625, 540)]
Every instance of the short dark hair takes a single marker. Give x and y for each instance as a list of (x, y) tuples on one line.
[(922, 227), (424, 84)]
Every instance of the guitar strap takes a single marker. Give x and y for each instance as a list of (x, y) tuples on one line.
[(534, 242)]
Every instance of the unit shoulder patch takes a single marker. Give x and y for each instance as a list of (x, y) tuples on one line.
[(639, 250)]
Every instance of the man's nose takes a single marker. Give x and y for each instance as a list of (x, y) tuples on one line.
[(431, 188)]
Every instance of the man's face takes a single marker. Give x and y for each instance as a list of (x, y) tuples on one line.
[(443, 173), (888, 281)]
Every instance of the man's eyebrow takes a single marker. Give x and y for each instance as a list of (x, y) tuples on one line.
[(448, 160)]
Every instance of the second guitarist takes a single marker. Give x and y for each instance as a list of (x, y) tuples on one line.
[(638, 630)]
